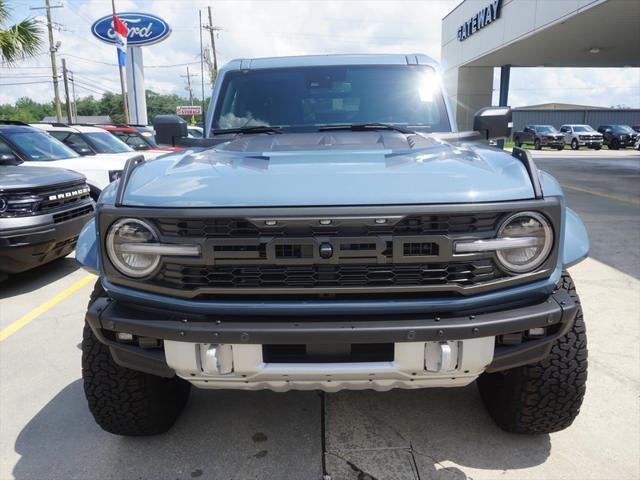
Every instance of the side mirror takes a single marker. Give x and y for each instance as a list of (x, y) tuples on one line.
[(169, 128), (9, 159), (493, 122)]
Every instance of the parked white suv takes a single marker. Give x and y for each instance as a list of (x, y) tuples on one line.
[(581, 136), (88, 140)]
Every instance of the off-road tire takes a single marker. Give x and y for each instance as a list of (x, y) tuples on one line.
[(537, 144), (124, 401), (544, 397), (575, 145)]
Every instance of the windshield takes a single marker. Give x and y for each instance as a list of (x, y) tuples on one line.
[(104, 142), (311, 97), (39, 146), (133, 139), (546, 129), (583, 128), (623, 129)]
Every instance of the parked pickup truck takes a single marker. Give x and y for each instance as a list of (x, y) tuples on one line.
[(539, 136), (42, 211), (581, 136), (618, 136), (334, 231)]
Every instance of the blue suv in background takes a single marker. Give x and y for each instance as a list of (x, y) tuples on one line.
[(333, 230)]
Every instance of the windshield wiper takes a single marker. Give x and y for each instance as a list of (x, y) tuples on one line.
[(251, 129), (363, 127)]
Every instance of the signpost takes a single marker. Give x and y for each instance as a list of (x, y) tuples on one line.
[(143, 29), (189, 110)]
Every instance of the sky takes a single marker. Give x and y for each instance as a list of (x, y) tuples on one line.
[(264, 28)]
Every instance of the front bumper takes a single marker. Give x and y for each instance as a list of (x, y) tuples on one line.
[(552, 143), (27, 242), (184, 335)]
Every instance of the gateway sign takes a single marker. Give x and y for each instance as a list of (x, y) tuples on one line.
[(480, 20)]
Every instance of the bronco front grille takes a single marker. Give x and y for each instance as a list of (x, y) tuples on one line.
[(318, 253)]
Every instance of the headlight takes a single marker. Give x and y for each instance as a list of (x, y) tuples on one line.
[(523, 243), (4, 204), (123, 238), (534, 232)]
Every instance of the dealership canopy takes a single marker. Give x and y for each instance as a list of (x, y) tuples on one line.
[(479, 35)]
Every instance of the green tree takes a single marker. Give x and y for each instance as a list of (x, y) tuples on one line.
[(20, 40)]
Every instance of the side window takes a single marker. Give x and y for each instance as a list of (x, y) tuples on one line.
[(564, 129)]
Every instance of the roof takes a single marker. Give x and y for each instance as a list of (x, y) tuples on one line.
[(81, 119), (323, 60), (60, 127), (560, 106), (15, 128), (121, 128)]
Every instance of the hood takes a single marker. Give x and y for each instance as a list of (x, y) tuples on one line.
[(329, 168), (21, 178)]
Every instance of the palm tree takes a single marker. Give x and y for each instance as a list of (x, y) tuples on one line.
[(20, 40)]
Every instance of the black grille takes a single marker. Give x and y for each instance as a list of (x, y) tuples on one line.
[(37, 201), (411, 225), (327, 276), (75, 213)]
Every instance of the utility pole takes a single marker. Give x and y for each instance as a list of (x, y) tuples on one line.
[(189, 89), (75, 100), (201, 65), (52, 50), (212, 31), (66, 91), (125, 107)]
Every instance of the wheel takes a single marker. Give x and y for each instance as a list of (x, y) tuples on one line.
[(560, 147), (615, 144), (124, 401), (574, 144), (597, 147), (544, 397), (536, 144), (517, 142)]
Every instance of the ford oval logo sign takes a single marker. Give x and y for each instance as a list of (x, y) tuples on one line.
[(144, 29)]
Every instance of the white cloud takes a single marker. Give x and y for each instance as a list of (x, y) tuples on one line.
[(254, 28)]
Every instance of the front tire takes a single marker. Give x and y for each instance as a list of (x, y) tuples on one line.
[(544, 397), (574, 144), (537, 145), (615, 144), (124, 401)]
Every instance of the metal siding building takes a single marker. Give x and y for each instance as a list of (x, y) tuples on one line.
[(595, 118)]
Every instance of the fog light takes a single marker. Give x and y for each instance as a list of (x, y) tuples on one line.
[(124, 337), (537, 332), (216, 359), (325, 222), (270, 223)]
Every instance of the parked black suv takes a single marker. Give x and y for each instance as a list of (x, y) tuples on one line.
[(618, 136), (42, 211)]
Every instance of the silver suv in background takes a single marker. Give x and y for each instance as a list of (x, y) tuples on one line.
[(581, 136)]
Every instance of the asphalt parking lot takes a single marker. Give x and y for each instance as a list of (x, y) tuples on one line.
[(46, 431)]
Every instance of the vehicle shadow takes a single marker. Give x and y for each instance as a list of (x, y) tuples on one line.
[(429, 428), (38, 277), (221, 434)]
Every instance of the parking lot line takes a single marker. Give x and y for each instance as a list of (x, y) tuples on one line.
[(616, 198), (36, 312)]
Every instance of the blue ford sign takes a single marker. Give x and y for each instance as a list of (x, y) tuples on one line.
[(144, 29)]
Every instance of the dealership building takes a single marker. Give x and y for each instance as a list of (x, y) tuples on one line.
[(480, 35)]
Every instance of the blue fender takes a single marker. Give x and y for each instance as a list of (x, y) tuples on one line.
[(576, 240), (87, 248)]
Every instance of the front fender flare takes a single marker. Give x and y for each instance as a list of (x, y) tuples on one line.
[(576, 240), (87, 254)]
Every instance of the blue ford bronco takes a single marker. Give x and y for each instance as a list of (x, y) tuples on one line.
[(334, 230)]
